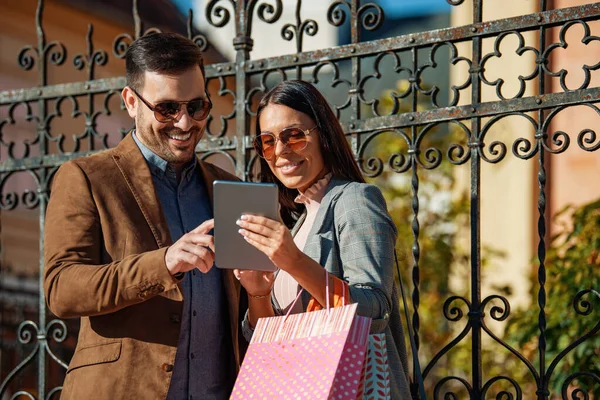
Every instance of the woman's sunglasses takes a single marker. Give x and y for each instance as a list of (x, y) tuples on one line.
[(168, 111), (294, 138)]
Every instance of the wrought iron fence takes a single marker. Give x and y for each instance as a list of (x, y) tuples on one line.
[(244, 79)]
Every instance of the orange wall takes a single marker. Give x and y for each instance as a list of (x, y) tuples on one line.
[(575, 175), (20, 227), (19, 234)]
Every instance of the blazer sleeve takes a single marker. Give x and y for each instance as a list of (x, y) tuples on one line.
[(367, 236), (75, 282)]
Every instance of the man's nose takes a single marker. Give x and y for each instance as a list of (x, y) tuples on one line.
[(184, 121)]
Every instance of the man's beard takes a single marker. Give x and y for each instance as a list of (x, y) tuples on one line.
[(160, 144)]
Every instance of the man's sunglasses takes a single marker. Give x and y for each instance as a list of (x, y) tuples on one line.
[(168, 111), (294, 138)]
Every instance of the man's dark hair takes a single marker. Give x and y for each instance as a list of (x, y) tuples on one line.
[(164, 53), (337, 154)]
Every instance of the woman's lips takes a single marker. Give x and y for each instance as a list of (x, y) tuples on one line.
[(289, 167)]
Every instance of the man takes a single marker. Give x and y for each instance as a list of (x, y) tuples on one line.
[(128, 246)]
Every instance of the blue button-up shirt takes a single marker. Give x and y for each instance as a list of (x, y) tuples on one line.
[(204, 364)]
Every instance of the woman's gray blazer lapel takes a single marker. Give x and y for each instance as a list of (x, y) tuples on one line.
[(321, 244), (318, 243)]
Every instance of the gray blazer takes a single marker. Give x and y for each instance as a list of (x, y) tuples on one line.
[(353, 238)]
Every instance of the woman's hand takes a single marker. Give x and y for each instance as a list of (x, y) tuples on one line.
[(272, 238), (256, 283), (275, 240)]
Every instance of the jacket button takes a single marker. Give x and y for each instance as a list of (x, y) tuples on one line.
[(175, 318), (167, 367)]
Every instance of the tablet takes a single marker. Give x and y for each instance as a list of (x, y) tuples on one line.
[(232, 199)]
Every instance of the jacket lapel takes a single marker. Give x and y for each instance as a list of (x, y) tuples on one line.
[(334, 188), (133, 167), (230, 283), (316, 246), (208, 177), (298, 224)]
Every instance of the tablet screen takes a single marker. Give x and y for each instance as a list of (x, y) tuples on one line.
[(232, 199)]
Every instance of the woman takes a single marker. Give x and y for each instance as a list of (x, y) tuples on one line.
[(343, 232)]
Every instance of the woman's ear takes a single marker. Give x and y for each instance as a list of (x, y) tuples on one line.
[(130, 100)]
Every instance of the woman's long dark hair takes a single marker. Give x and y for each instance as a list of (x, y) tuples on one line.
[(335, 149)]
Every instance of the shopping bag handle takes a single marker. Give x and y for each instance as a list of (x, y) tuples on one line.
[(293, 304), (327, 294)]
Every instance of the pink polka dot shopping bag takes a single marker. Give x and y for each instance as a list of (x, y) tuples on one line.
[(314, 355)]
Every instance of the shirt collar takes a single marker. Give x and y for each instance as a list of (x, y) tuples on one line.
[(314, 193), (158, 165)]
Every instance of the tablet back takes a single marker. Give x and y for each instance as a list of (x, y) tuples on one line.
[(231, 200)]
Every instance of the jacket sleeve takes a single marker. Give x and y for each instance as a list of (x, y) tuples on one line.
[(75, 282), (367, 236)]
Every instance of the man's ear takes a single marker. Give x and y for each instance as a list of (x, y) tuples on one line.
[(130, 100)]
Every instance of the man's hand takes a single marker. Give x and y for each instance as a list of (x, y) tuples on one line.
[(195, 249)]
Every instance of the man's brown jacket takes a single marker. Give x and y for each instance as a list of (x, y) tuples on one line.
[(105, 243)]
